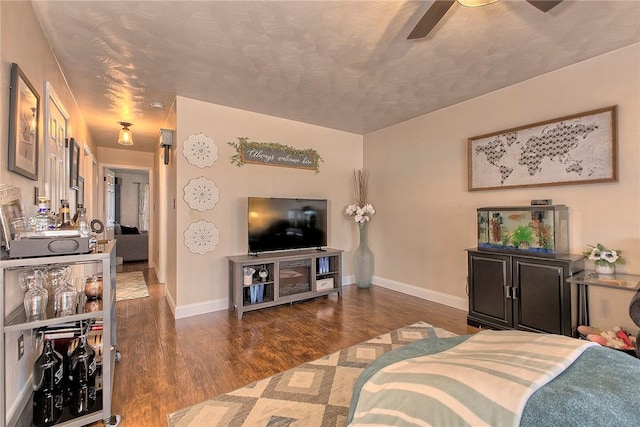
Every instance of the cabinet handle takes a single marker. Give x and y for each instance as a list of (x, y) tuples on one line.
[(508, 291), (514, 292)]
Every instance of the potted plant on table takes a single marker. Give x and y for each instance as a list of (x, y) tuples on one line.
[(605, 259)]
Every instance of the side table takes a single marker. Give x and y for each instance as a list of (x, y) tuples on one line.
[(584, 279)]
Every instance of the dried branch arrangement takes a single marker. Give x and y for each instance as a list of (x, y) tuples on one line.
[(360, 178)]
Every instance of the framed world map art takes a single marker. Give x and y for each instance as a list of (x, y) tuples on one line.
[(576, 149)]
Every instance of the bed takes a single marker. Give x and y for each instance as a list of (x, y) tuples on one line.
[(600, 388)]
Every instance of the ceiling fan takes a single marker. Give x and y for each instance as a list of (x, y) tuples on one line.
[(439, 7)]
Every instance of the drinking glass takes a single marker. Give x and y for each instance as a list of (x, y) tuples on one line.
[(36, 296)]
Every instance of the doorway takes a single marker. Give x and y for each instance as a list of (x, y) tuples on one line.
[(127, 200), (132, 198)]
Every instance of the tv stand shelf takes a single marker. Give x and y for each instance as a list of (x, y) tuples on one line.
[(268, 279)]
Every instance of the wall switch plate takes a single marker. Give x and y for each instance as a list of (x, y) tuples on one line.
[(20, 346)]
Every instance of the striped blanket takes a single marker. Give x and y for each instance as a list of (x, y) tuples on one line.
[(485, 381)]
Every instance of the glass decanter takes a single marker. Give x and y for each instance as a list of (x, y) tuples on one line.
[(36, 296), (82, 222)]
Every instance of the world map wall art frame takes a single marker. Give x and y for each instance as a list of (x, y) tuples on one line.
[(576, 149)]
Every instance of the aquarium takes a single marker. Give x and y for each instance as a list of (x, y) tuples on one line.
[(542, 229)]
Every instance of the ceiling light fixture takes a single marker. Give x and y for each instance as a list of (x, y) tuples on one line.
[(476, 3), (125, 137), (157, 105)]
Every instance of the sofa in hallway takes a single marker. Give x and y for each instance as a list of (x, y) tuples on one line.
[(131, 244)]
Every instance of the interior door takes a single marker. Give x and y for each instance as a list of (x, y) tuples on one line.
[(56, 117)]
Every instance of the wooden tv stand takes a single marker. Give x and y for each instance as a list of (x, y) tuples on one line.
[(286, 277)]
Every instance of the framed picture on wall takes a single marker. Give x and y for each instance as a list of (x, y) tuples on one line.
[(80, 194), (74, 163), (23, 125), (577, 149), (12, 216)]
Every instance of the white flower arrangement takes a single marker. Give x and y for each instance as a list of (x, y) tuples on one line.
[(603, 256), (361, 214), (361, 211)]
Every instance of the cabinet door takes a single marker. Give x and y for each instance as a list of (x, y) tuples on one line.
[(541, 296), (489, 290)]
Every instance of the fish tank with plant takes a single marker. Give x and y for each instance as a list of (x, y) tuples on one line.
[(539, 229)]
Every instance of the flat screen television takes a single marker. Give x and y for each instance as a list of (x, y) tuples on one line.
[(280, 224)]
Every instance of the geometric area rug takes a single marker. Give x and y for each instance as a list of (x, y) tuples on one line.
[(314, 394), (130, 285)]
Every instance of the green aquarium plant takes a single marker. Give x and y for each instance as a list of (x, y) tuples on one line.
[(523, 234)]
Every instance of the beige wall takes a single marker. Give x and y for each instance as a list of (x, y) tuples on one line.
[(420, 232), (165, 252), (202, 280), (126, 157), (22, 42)]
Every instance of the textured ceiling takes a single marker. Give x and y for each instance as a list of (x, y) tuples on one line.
[(342, 64)]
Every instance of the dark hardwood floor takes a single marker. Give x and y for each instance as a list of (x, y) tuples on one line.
[(167, 364)]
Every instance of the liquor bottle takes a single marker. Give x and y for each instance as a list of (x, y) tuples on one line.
[(81, 221), (48, 394), (82, 377), (65, 216), (43, 220)]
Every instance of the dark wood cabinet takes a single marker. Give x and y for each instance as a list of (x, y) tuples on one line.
[(522, 292)]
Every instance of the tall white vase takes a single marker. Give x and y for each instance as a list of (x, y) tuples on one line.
[(363, 258)]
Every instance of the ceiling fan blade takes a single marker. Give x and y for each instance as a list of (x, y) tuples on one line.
[(544, 5), (430, 19)]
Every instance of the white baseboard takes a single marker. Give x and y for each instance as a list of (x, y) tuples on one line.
[(17, 407), (429, 295), (189, 310), (180, 312), (171, 302), (157, 271)]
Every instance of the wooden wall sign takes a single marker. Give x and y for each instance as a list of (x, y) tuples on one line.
[(274, 154)]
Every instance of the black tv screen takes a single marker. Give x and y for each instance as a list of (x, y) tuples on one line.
[(280, 224)]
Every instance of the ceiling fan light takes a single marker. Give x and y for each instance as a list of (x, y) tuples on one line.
[(125, 137), (476, 3)]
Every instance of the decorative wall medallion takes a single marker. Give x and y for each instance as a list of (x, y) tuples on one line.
[(201, 237), (201, 194), (200, 150)]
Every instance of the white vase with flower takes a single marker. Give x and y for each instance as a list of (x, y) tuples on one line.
[(604, 259), (361, 212)]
